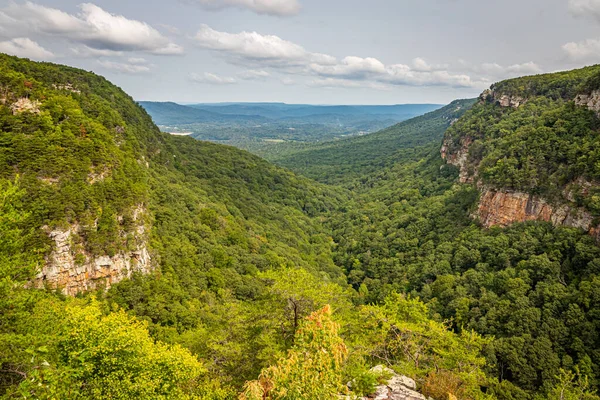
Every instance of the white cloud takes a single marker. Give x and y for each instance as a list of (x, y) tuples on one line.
[(137, 60), (85, 52), (127, 68), (583, 51), (254, 46), (269, 51), (528, 68), (279, 8), (495, 71), (351, 68), (400, 74), (585, 8), (589, 49), (92, 27), (254, 74), (345, 83), (421, 65), (212, 79), (24, 47)]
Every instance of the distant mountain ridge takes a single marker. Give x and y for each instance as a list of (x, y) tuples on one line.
[(167, 113), (283, 110), (261, 128), (174, 113)]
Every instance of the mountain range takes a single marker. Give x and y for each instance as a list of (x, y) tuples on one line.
[(264, 128)]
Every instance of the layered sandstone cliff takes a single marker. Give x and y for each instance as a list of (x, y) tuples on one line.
[(72, 270), (503, 208)]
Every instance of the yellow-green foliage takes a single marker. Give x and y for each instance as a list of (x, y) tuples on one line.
[(312, 369), (401, 333), (572, 386), (110, 357)]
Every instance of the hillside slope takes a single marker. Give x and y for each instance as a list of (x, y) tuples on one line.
[(95, 171), (337, 161), (412, 227)]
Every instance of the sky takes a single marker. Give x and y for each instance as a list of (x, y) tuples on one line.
[(305, 51)]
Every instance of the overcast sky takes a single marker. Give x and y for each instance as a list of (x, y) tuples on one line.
[(305, 51)]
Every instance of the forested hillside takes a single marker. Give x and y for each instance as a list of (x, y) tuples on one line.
[(136, 264), (342, 160), (215, 217)]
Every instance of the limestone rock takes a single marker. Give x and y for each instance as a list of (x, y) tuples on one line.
[(510, 101), (399, 381), (591, 101), (504, 100), (72, 270), (67, 86), (398, 387), (458, 158), (486, 96), (25, 105)]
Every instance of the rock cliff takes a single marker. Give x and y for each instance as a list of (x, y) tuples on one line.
[(458, 157), (500, 206), (503, 100), (591, 101), (72, 270), (503, 208)]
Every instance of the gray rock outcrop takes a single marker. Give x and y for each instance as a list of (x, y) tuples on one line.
[(398, 387)]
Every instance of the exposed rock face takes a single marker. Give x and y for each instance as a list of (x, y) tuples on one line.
[(503, 208), (591, 101), (503, 100), (510, 101), (458, 158), (68, 87), (74, 271), (398, 387), (25, 105)]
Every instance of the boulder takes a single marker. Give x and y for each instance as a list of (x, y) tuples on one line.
[(398, 387)]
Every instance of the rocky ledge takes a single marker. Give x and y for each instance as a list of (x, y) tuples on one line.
[(398, 387), (72, 270), (591, 101), (503, 208), (503, 100)]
